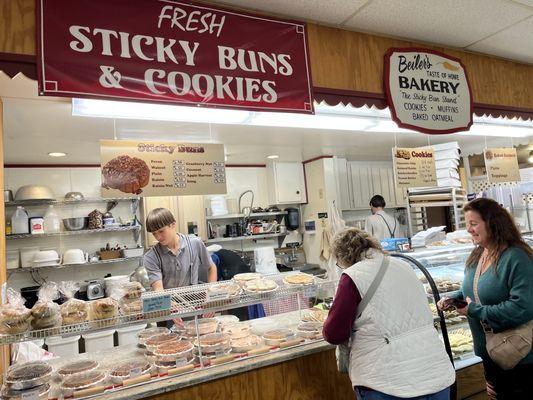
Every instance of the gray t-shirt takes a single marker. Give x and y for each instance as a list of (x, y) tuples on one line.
[(188, 267)]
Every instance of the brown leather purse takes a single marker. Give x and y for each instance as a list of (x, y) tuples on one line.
[(509, 347)]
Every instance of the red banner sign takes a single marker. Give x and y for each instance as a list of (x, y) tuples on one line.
[(172, 52)]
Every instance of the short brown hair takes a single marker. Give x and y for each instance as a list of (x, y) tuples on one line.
[(159, 218), (351, 245), (501, 227)]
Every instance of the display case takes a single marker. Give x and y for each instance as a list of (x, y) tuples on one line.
[(209, 338), (445, 265)]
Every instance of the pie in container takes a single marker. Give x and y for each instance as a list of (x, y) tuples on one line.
[(123, 370), (260, 286), (213, 342), (77, 366), (83, 380), (246, 276), (315, 315), (276, 336), (237, 330), (299, 279), (230, 289), (309, 329), (245, 343)]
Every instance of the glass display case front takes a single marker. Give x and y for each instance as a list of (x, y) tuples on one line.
[(446, 266)]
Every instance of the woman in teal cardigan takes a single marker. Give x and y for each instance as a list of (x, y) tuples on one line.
[(505, 290)]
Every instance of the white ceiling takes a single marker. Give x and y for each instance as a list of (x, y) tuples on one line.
[(35, 126), (502, 28)]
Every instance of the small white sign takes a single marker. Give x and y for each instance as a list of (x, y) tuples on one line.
[(427, 91)]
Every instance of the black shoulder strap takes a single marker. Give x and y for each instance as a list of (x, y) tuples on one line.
[(388, 227)]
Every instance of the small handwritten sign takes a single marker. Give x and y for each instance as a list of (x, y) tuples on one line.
[(157, 303)]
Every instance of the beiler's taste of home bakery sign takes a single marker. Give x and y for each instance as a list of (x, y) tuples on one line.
[(427, 91)]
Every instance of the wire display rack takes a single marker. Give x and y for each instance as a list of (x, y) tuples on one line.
[(186, 301)]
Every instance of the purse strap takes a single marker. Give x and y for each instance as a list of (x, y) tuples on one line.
[(374, 285), (476, 281)]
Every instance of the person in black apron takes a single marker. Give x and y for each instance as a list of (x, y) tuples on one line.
[(380, 224)]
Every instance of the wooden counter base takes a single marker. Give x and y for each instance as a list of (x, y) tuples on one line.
[(310, 377)]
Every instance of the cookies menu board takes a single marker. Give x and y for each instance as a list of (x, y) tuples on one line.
[(161, 168), (414, 167), (502, 165), (427, 91)]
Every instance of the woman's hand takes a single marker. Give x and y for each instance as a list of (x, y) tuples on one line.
[(440, 303), (464, 311)]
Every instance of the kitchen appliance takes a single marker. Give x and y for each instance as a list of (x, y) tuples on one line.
[(95, 290), (34, 192), (8, 196), (75, 256), (292, 219), (140, 275), (74, 196), (75, 224)]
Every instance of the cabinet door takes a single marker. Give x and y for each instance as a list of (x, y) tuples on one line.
[(344, 184), (289, 183), (392, 189), (361, 184)]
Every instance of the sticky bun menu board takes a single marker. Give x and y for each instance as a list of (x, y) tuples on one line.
[(145, 168)]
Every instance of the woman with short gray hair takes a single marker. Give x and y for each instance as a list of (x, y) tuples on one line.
[(395, 351)]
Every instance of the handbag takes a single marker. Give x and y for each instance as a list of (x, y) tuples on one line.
[(342, 351), (509, 347)]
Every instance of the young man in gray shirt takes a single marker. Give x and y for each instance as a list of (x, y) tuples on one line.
[(176, 260)]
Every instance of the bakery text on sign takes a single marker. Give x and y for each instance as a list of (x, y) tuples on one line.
[(427, 91), (107, 42)]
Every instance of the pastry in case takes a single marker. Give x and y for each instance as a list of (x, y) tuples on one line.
[(315, 315), (152, 342), (237, 330), (231, 288), (213, 342), (205, 326), (260, 286), (28, 375), (148, 333), (129, 369), (83, 380), (131, 307), (275, 337), (14, 320), (244, 344), (77, 366), (299, 279), (309, 330), (174, 350), (74, 311), (41, 393), (104, 309), (241, 279), (45, 315), (132, 290)]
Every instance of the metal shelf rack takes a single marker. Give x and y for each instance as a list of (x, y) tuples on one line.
[(186, 301), (75, 233), (45, 202), (88, 264)]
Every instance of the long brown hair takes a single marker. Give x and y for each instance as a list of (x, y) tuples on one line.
[(501, 228), (351, 245)]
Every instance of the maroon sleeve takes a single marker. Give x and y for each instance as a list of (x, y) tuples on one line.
[(338, 326)]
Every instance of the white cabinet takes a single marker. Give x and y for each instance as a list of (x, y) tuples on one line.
[(286, 183), (366, 179)]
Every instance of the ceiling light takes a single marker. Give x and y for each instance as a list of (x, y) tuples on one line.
[(158, 112), (57, 154), (273, 156)]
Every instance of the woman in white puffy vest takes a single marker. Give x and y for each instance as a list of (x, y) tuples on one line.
[(395, 351)]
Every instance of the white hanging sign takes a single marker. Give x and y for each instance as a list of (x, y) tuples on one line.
[(427, 91)]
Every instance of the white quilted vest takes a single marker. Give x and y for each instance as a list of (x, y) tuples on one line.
[(394, 347)]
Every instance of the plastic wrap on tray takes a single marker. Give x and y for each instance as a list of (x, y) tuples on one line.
[(28, 375), (145, 334), (83, 380), (103, 309), (309, 330), (73, 311), (41, 393), (275, 337), (129, 369), (213, 342), (77, 367), (237, 330), (14, 316), (205, 326), (245, 343), (45, 313)]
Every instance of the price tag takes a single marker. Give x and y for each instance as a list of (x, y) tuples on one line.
[(310, 291), (180, 362), (219, 295), (158, 303), (32, 395), (135, 372)]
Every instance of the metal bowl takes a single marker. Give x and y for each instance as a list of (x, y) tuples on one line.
[(75, 224), (74, 196), (34, 192)]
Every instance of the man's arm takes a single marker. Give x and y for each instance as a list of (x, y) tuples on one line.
[(157, 286)]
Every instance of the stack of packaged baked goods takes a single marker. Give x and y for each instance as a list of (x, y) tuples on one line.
[(14, 316), (73, 311), (45, 313)]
